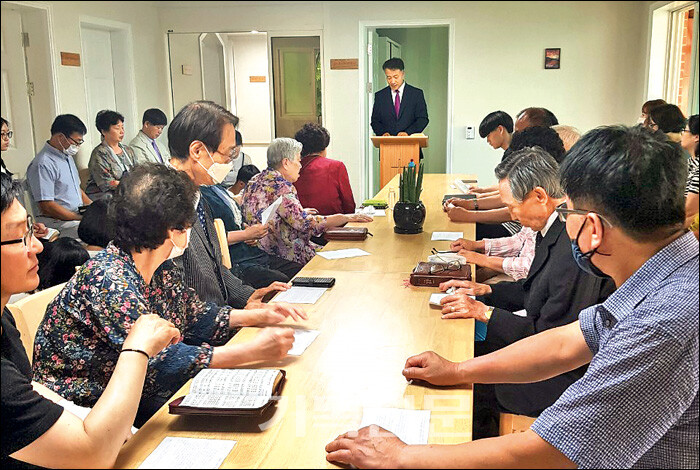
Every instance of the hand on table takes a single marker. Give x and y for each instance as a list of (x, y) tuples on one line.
[(256, 299), (460, 305), (467, 287), (370, 447), (272, 344), (432, 368)]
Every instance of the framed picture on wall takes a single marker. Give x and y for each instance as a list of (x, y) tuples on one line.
[(552, 58)]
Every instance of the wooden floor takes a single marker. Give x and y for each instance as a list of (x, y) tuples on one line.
[(370, 323)]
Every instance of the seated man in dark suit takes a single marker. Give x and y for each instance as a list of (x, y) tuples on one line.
[(552, 295), (400, 108), (202, 139)]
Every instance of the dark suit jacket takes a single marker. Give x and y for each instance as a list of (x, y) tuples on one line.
[(203, 270), (413, 113), (553, 294)]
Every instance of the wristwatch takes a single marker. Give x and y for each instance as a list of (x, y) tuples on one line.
[(476, 204), (488, 313)]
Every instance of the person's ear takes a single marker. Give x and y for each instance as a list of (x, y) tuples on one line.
[(540, 195), (597, 230), (197, 150)]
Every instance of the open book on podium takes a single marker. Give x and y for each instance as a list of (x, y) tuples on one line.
[(230, 392), (396, 152)]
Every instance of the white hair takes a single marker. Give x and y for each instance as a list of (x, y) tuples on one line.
[(280, 149)]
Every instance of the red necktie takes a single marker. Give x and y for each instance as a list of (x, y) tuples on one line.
[(397, 104)]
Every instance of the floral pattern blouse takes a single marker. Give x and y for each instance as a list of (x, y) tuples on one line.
[(291, 228), (79, 340)]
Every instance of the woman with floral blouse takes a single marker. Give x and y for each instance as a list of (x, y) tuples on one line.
[(291, 228), (78, 343)]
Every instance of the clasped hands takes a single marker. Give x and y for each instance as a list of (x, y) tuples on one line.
[(460, 304)]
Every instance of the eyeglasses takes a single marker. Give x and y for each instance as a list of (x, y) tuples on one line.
[(27, 238), (449, 266), (564, 213), (76, 142), (6, 135)]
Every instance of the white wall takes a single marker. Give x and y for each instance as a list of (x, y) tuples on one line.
[(498, 60), (150, 65)]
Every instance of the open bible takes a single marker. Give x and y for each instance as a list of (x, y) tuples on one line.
[(225, 392)]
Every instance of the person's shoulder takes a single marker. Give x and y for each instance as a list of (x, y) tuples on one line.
[(137, 141), (383, 91), (412, 88)]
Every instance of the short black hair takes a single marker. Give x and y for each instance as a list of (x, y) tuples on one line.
[(106, 119), (544, 137), (11, 190), (67, 124), (540, 117), (150, 200), (200, 120), (58, 260), (314, 138), (96, 227), (668, 117), (491, 122), (395, 63), (155, 116), (694, 124), (246, 173), (632, 176), (4, 122), (239, 139)]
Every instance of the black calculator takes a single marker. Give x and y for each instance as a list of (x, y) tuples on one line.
[(313, 281)]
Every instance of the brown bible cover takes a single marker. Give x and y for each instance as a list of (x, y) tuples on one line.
[(176, 409), (422, 277), (346, 233)]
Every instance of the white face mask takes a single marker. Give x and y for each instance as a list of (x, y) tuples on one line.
[(71, 150), (640, 121), (177, 251), (217, 171)]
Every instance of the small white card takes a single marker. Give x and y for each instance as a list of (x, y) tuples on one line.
[(340, 254), (447, 236), (411, 426), (302, 340), (267, 213), (521, 313), (436, 298), (371, 211), (183, 452), (300, 295)]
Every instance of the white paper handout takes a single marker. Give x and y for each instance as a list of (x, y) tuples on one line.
[(462, 186), (267, 213), (340, 254), (300, 295), (447, 236), (184, 452), (411, 426), (302, 340)]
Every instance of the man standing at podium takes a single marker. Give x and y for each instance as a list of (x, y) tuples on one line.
[(399, 109)]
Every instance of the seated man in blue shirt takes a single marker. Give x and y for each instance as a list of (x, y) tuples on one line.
[(53, 177), (637, 405)]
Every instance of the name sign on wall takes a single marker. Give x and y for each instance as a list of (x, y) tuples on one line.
[(70, 59), (345, 64)]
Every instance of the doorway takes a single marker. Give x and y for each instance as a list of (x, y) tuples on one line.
[(296, 76), (108, 70), (427, 50), (27, 89)]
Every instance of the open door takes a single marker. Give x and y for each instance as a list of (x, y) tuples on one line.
[(296, 72)]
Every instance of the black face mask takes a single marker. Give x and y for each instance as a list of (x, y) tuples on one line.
[(583, 260)]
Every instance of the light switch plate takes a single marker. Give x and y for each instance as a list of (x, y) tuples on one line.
[(187, 70), (470, 132)]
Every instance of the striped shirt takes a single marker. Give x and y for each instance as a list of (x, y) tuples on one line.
[(637, 405), (692, 186), (517, 252)]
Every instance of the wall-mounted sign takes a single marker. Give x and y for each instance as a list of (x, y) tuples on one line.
[(70, 59), (345, 64), (258, 79)]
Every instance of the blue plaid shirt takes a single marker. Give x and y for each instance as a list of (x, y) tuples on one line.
[(637, 405)]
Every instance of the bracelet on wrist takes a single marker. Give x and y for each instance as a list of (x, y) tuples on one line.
[(140, 351)]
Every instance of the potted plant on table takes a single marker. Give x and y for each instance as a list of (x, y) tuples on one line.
[(409, 211)]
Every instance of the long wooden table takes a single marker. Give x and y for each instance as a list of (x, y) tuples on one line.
[(370, 323)]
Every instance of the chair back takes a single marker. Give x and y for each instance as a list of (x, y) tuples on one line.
[(29, 312), (223, 242)]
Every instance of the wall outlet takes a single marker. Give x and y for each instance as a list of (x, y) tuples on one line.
[(470, 132)]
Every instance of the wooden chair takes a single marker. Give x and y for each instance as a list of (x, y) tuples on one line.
[(511, 424), (29, 312), (223, 242)]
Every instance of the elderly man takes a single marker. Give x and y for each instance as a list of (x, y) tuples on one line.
[(290, 226), (202, 138), (637, 405)]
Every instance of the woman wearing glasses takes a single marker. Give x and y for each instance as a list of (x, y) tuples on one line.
[(6, 136), (36, 430)]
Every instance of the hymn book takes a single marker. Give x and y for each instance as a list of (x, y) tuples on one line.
[(230, 392)]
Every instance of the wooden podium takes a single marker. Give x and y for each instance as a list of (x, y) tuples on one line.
[(396, 152)]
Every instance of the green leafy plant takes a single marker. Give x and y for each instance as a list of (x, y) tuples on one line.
[(411, 184)]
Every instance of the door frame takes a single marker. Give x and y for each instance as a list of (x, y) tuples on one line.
[(367, 178), (288, 34), (125, 44)]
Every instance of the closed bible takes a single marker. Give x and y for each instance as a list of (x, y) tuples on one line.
[(346, 233), (428, 274)]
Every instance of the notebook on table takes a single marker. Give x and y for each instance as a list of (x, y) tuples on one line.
[(230, 392)]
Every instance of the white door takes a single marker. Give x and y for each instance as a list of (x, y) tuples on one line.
[(99, 77), (14, 99)]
